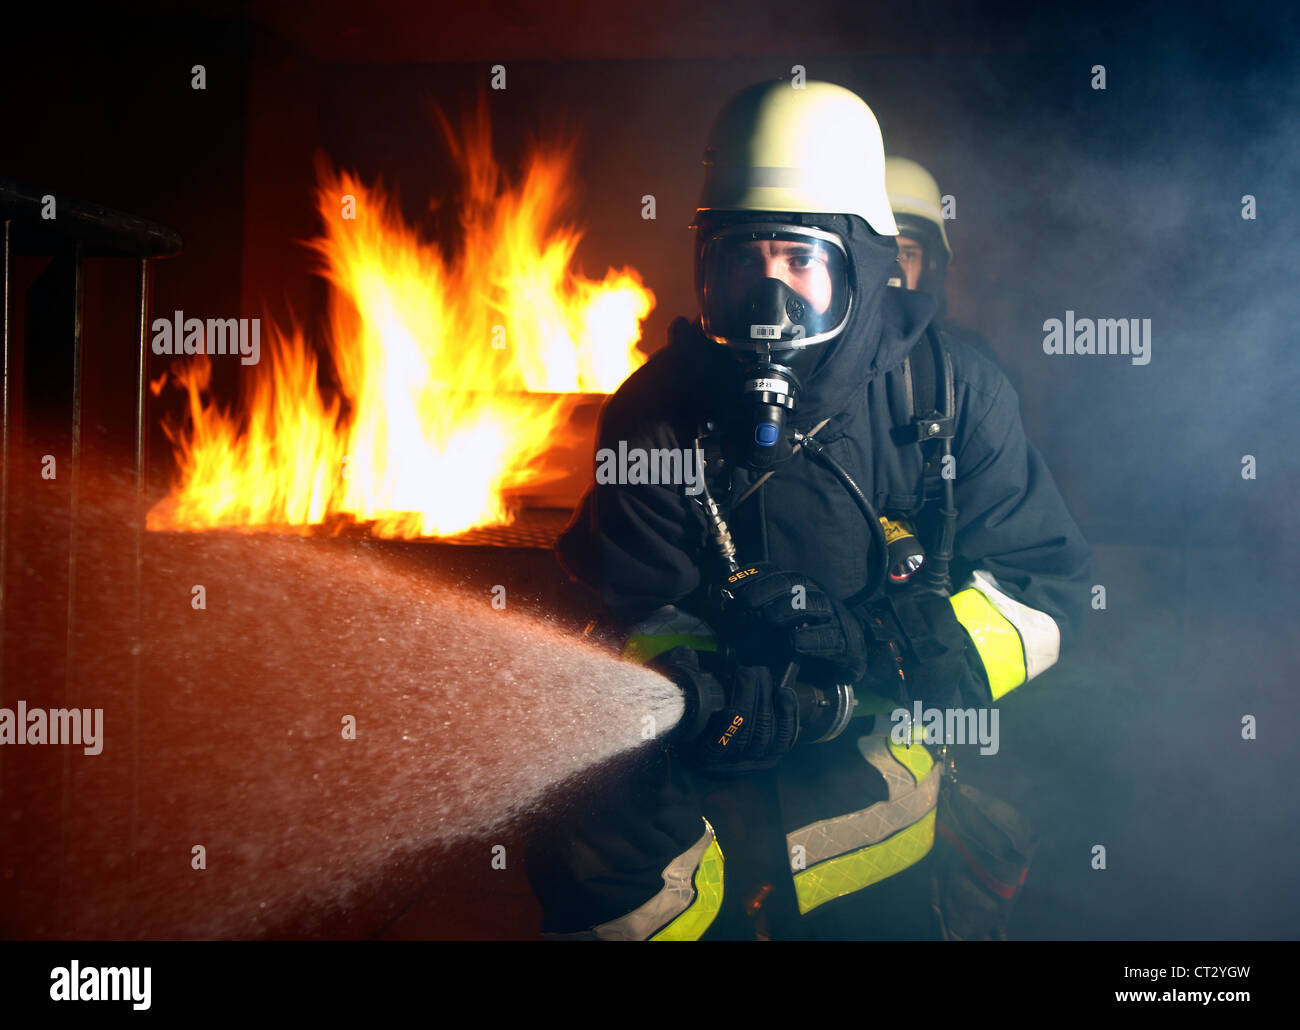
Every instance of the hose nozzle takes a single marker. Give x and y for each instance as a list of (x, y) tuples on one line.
[(823, 712)]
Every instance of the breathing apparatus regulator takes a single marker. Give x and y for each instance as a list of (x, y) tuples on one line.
[(772, 293)]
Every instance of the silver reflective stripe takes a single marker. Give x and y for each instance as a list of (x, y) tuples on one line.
[(876, 754), (1039, 634), (768, 177), (907, 804), (810, 179), (668, 904), (897, 200)]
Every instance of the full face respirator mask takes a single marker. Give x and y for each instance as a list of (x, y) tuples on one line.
[(772, 293)]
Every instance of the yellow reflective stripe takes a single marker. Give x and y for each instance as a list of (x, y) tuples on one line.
[(1039, 633), (915, 759), (858, 869), (644, 648), (996, 639), (908, 803), (691, 924)]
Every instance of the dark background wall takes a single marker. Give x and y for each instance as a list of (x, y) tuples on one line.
[(1122, 203)]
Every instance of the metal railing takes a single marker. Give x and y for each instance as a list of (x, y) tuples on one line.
[(77, 231)]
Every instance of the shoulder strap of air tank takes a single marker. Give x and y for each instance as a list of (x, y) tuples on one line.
[(930, 392), (927, 381)]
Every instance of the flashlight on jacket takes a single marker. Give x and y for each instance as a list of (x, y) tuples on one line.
[(906, 555)]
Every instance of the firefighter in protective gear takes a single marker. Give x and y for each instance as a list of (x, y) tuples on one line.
[(924, 252), (923, 248), (795, 245)]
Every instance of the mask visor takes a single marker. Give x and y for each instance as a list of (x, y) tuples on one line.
[(773, 287)]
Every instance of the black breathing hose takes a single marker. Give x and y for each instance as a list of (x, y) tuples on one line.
[(874, 527)]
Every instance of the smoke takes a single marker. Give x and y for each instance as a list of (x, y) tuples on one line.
[(1164, 737), (1128, 202)]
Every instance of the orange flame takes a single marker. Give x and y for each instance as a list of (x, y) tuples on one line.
[(452, 371)]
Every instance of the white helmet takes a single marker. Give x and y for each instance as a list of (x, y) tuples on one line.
[(783, 167)]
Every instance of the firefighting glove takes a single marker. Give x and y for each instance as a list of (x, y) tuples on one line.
[(758, 724), (772, 617), (918, 651)]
